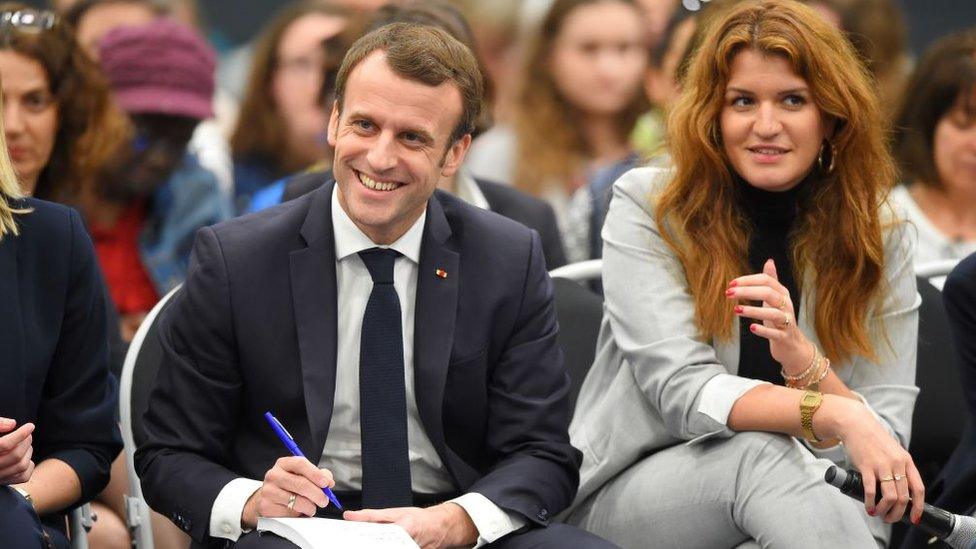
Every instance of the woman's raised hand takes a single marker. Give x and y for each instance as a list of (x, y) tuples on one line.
[(776, 317)]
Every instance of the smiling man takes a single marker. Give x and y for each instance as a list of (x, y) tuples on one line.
[(406, 338)]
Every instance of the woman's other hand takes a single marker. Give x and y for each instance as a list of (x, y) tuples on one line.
[(881, 460), (16, 451)]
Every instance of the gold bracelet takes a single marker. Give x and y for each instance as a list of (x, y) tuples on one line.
[(815, 384), (809, 404), (805, 373)]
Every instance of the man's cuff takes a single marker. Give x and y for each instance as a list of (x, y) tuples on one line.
[(492, 523), (720, 393), (225, 517)]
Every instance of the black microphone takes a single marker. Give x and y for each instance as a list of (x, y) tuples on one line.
[(957, 531)]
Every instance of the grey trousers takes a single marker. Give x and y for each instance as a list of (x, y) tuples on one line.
[(750, 490)]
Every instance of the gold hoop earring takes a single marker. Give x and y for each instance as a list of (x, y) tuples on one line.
[(833, 156)]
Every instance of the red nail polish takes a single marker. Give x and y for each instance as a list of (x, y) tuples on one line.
[(733, 284), (753, 327), (730, 292), (738, 309), (871, 512), (917, 520)]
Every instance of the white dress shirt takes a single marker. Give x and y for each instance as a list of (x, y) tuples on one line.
[(342, 451)]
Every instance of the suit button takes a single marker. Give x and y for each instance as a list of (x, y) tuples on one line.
[(543, 514)]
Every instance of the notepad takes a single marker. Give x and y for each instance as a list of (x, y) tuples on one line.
[(322, 533)]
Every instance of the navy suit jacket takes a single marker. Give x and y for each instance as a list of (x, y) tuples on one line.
[(254, 329), (54, 344)]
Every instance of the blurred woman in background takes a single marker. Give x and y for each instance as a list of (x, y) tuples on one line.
[(69, 143), (58, 434), (581, 95), (281, 126), (935, 142)]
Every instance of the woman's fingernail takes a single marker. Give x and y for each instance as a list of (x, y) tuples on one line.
[(916, 520), (733, 284), (730, 292), (753, 327), (871, 512), (737, 309)]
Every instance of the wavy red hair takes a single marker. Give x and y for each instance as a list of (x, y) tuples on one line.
[(837, 243)]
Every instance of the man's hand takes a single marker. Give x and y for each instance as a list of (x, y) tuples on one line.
[(444, 525), (16, 450), (289, 476)]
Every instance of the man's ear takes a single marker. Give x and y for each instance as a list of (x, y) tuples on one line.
[(333, 124), (454, 156)]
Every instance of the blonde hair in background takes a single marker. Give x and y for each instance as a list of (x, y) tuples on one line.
[(9, 188), (837, 242), (549, 135)]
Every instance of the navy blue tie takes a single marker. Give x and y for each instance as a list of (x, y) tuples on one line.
[(382, 390)]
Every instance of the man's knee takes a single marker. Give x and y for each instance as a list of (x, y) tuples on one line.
[(555, 536)]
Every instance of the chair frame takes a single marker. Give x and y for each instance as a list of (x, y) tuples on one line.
[(580, 271), (138, 517)]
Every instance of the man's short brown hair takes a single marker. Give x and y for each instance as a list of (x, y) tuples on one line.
[(424, 54)]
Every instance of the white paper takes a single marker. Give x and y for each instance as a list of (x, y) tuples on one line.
[(322, 533)]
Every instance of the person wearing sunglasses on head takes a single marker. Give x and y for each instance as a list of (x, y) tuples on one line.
[(58, 434)]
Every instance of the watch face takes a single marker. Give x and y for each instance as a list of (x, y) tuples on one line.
[(811, 398)]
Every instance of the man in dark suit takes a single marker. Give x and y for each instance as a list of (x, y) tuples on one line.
[(407, 339), (954, 489)]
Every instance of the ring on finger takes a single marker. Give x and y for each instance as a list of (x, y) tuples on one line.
[(291, 502), (786, 321), (899, 477), (888, 478), (782, 303)]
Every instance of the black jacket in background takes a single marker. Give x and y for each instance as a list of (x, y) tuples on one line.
[(955, 488), (54, 348)]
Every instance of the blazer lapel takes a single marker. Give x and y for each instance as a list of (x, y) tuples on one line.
[(436, 309), (313, 281), (12, 399)]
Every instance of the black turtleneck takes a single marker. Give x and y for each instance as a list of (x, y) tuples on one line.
[(771, 215)]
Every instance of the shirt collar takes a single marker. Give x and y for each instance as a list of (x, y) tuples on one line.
[(467, 189), (350, 240)]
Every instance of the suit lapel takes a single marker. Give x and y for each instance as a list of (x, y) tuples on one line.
[(313, 280), (436, 309), (12, 399)]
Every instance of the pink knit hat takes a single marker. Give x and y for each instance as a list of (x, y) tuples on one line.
[(160, 68)]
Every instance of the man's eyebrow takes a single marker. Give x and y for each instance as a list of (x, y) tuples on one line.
[(423, 134)]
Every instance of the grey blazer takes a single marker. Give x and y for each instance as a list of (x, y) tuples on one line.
[(644, 390)]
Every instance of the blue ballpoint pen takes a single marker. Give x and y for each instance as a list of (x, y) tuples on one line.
[(289, 442)]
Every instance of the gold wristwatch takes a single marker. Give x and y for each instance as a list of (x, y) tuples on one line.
[(809, 404)]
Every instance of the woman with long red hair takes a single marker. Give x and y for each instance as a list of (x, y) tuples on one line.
[(761, 312)]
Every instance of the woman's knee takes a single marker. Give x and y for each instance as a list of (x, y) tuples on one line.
[(752, 445)]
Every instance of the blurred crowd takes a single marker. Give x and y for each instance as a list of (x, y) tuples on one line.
[(123, 110)]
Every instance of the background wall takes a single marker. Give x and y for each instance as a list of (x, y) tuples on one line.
[(236, 21)]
